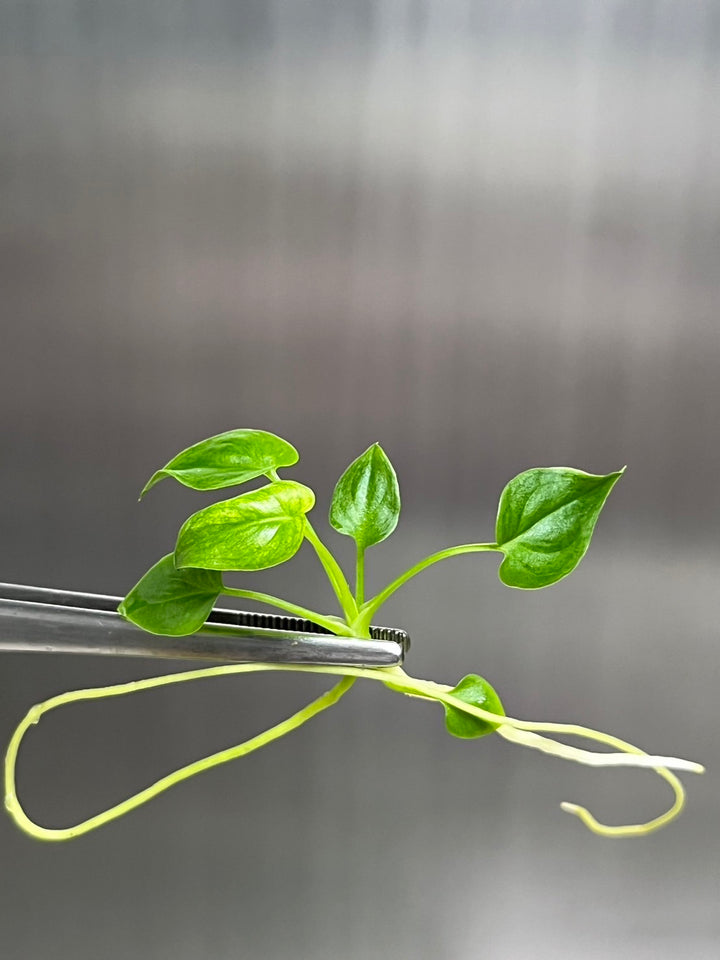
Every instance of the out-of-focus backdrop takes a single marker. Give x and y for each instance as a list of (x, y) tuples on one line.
[(485, 234)]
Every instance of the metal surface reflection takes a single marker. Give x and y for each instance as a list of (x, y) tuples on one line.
[(484, 234)]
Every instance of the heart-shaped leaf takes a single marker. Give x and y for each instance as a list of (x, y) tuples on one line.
[(254, 531), (172, 602), (226, 460), (545, 522), (477, 691), (366, 501)]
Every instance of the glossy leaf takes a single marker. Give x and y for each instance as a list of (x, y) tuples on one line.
[(545, 522), (366, 500), (477, 691), (226, 460), (251, 532), (172, 602)]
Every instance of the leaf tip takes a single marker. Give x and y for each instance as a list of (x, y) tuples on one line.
[(158, 475), (612, 478)]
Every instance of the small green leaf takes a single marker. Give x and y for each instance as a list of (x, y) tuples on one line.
[(366, 501), (477, 691), (545, 522), (226, 460), (254, 531), (172, 602)]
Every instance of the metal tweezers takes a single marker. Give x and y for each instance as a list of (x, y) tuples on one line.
[(41, 620)]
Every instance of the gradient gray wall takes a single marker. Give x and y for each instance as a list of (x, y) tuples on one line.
[(485, 234)]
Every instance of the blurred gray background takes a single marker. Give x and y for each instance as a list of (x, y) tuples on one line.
[(485, 234)]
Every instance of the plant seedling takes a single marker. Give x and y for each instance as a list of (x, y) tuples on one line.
[(545, 520)]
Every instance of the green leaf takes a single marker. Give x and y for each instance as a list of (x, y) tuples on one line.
[(172, 602), (226, 460), (477, 691), (545, 521), (251, 532), (366, 501)]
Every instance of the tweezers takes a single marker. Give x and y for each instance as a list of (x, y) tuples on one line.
[(42, 620)]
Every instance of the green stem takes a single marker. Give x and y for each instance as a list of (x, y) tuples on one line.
[(360, 576), (334, 573), (372, 606), (333, 624), (523, 732), (16, 811), (332, 568)]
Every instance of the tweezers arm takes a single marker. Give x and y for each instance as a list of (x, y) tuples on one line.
[(59, 627)]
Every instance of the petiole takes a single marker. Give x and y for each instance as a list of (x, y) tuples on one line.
[(360, 576), (334, 573), (370, 608), (333, 624)]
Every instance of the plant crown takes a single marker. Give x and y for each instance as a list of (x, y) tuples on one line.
[(545, 520)]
